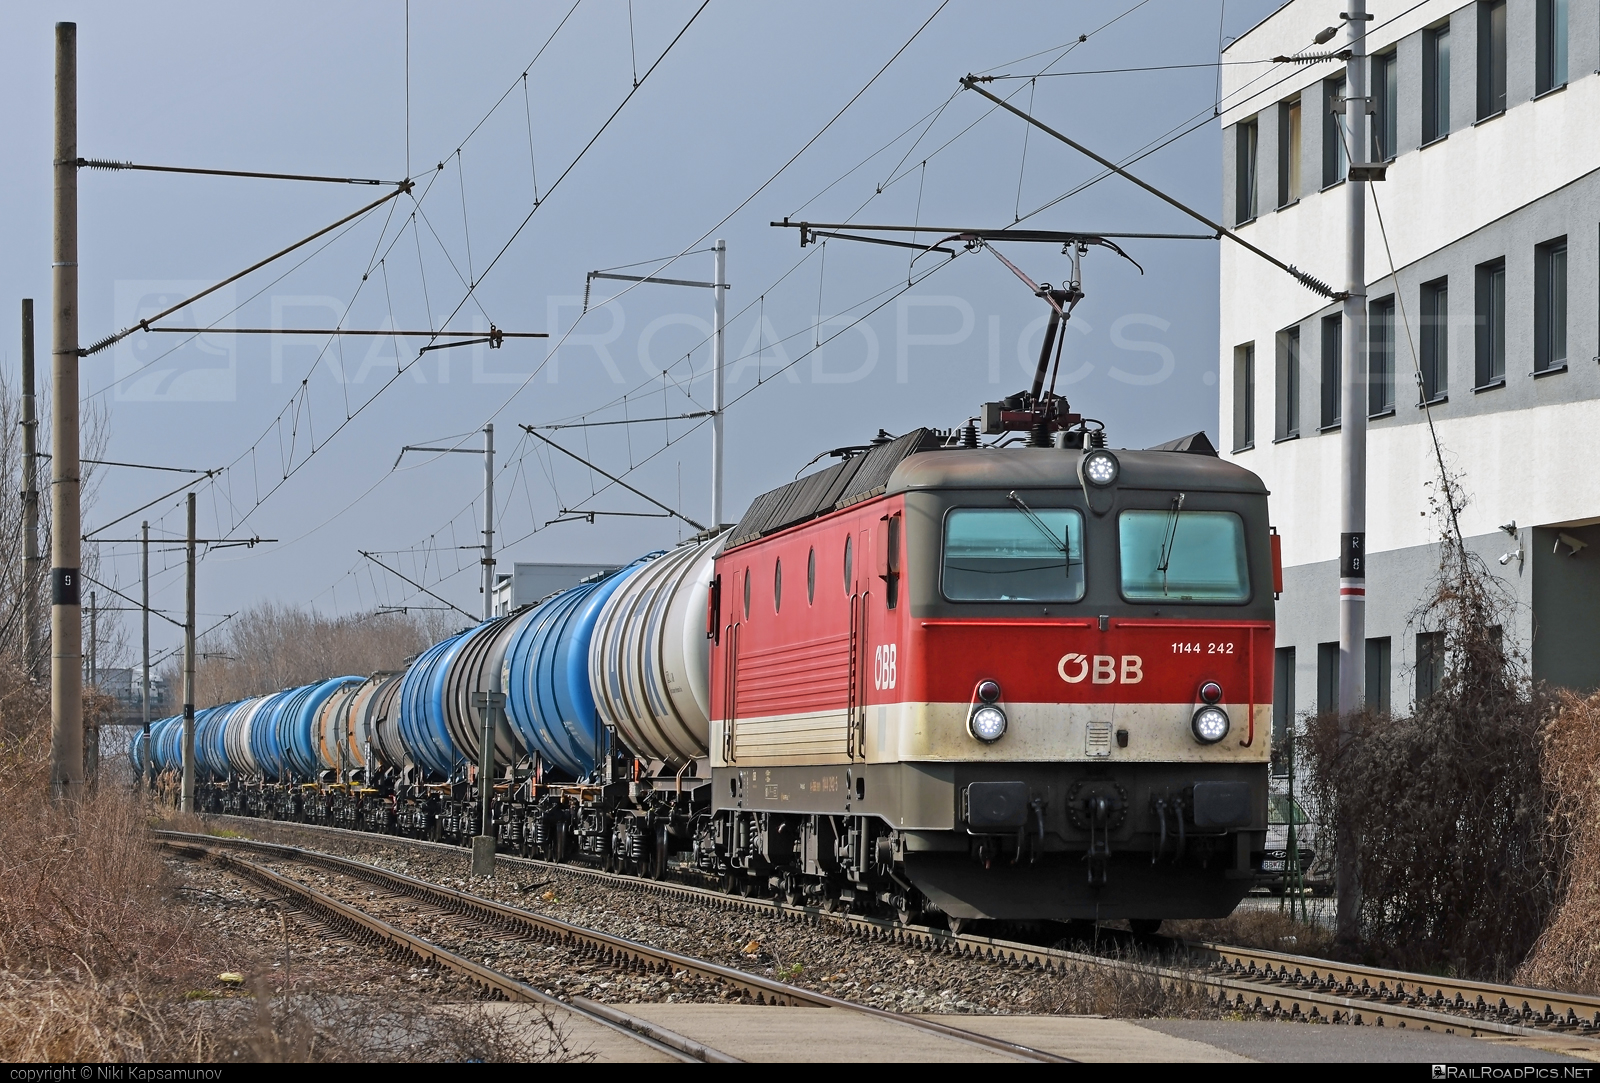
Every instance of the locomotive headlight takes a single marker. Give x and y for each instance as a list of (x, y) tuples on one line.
[(1210, 725), (987, 724), (1100, 468)]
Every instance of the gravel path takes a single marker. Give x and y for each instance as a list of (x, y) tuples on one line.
[(245, 932)]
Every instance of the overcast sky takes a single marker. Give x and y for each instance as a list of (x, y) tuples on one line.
[(324, 89)]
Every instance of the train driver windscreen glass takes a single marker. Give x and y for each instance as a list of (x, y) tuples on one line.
[(1183, 556), (1006, 555)]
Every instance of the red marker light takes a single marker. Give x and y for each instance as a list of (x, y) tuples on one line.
[(1211, 692)]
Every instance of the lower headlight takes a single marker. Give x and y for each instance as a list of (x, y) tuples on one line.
[(987, 724), (1210, 725)]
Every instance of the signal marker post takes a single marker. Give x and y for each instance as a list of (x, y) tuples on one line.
[(489, 705)]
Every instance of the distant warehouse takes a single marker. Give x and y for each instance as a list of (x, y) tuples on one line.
[(1488, 115)]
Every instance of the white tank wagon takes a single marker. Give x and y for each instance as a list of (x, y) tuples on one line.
[(649, 659)]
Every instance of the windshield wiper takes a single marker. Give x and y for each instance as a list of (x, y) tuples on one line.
[(1043, 528), (1169, 537)]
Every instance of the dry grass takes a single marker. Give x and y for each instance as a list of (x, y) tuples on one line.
[(1137, 990), (1567, 955), (102, 960), (1265, 930)]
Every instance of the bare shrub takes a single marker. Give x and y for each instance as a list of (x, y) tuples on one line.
[(1447, 808), (271, 646), (1567, 955)]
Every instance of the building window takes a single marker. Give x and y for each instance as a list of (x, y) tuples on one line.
[(1491, 58), (1335, 163), (1327, 677), (1430, 663), (1332, 368), (1244, 199), (1490, 348), (1552, 46), (1378, 675), (1244, 397), (1288, 152), (1282, 707), (1550, 306), (1288, 383), (1436, 83), (1435, 340), (1380, 357), (1385, 106)]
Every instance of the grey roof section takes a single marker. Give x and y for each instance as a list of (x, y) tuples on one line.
[(1197, 443), (858, 478), (1053, 468)]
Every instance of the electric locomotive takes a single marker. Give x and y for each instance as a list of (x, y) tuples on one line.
[(1008, 683), (934, 679)]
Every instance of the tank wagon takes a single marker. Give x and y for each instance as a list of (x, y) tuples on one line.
[(934, 680)]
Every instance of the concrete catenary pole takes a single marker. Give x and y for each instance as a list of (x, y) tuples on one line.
[(91, 731), (144, 614), (188, 672), (488, 703), (1353, 457), (66, 615), (719, 291), (488, 521), (30, 500)]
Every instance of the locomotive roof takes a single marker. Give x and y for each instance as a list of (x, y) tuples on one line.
[(921, 460), (1053, 468)]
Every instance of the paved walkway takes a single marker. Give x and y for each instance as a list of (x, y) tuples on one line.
[(795, 1035)]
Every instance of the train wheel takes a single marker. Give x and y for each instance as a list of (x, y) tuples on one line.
[(660, 870)]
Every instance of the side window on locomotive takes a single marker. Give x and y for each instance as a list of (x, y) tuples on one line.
[(847, 568), (747, 594), (1007, 555), (1183, 556), (777, 585), (811, 577)]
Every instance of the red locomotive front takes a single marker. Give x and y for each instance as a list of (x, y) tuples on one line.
[(1022, 683)]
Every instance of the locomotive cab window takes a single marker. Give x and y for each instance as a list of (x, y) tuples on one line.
[(1013, 555), (1183, 556)]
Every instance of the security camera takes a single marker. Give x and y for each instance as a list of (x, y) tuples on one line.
[(1510, 528), (1505, 558), (1573, 544)]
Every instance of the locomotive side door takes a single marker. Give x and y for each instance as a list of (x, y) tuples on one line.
[(730, 662), (862, 564)]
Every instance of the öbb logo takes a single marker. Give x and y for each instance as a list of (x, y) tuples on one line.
[(1101, 669)]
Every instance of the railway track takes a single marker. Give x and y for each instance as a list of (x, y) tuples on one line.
[(1255, 983), (489, 913)]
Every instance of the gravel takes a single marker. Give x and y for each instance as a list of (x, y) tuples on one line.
[(819, 956)]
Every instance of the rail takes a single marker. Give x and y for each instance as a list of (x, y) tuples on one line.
[(351, 921), (764, 990), (1278, 986)]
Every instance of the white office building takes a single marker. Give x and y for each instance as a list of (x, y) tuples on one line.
[(1488, 116)]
